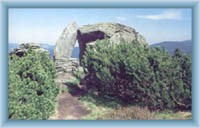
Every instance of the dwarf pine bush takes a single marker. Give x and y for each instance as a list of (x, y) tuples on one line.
[(139, 74), (31, 87)]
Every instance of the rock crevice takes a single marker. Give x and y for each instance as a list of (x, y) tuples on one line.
[(114, 32)]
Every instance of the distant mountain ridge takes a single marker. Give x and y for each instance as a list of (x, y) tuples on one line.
[(50, 48), (170, 46)]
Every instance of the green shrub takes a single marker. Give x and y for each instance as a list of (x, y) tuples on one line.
[(79, 74), (181, 89), (137, 74), (31, 88)]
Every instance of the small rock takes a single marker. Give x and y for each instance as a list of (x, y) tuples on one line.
[(23, 48)]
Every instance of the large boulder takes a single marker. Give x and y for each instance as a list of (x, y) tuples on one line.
[(87, 35), (64, 47), (114, 32), (66, 42)]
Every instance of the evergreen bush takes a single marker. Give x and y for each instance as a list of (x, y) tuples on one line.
[(31, 87), (138, 74)]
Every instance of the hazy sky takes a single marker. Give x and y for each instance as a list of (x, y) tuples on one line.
[(46, 25)]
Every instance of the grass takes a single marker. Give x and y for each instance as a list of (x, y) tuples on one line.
[(74, 82), (169, 115), (98, 107), (130, 113)]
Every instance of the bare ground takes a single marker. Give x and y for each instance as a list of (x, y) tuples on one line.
[(68, 106)]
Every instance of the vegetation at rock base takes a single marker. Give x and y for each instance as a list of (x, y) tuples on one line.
[(123, 81), (139, 75), (108, 109), (31, 87)]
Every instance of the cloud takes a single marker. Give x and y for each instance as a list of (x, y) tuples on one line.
[(168, 15), (121, 18)]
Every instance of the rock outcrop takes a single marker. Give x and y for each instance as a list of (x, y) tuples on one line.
[(115, 33), (23, 48), (87, 35), (66, 42), (64, 47), (67, 66)]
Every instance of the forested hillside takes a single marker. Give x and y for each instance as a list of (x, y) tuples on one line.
[(170, 46)]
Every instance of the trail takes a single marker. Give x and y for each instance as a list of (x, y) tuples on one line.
[(68, 106)]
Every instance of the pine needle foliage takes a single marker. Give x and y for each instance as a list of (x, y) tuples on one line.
[(31, 87), (138, 74)]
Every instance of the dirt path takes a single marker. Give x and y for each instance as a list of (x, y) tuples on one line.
[(68, 106)]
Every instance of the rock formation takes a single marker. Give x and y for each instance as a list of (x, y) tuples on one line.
[(66, 42), (23, 48), (64, 47), (87, 35), (115, 33)]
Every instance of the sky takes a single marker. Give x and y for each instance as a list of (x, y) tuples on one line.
[(46, 25)]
